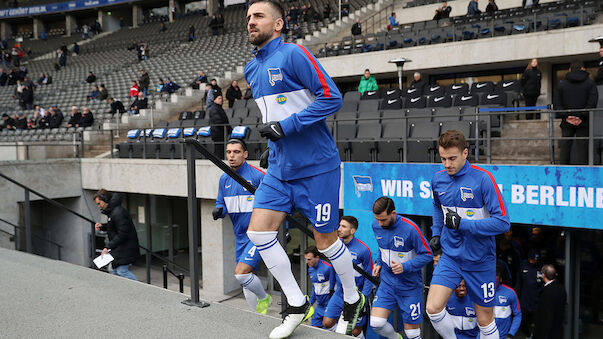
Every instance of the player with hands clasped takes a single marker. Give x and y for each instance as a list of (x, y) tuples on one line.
[(468, 212), (236, 201), (295, 95), (403, 252)]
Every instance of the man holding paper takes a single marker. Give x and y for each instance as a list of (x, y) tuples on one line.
[(123, 240)]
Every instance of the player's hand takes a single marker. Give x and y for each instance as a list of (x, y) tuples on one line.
[(397, 267), (264, 158), (434, 243), (98, 226), (436, 259), (105, 251), (376, 270), (272, 131), (217, 213), (452, 220)]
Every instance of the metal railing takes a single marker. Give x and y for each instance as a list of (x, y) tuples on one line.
[(15, 236)]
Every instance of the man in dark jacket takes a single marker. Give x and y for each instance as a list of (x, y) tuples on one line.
[(357, 27), (200, 79), (144, 82), (233, 93), (140, 103), (577, 91), (76, 117), (3, 77), (530, 285), (55, 119), (91, 77), (220, 128), (87, 118), (116, 106), (551, 306), (123, 240)]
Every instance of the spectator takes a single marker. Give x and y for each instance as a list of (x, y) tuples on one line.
[(392, 21), (418, 83), (159, 86), (76, 117), (140, 103), (220, 128), (214, 85), (213, 25), (133, 46), (551, 306), (121, 233), (530, 86), (530, 3), (200, 79), (12, 78), (345, 8), (191, 32), (530, 285), (40, 110), (367, 82), (7, 122), (94, 93), (21, 73), (20, 121), (326, 11), (577, 91), (133, 93), (45, 79), (220, 23), (357, 28), (598, 77), (27, 96), (296, 32), (170, 86), (122, 22), (144, 82), (492, 7), (36, 122), (76, 49), (85, 31), (233, 93), (91, 77), (116, 106), (103, 94), (3, 77), (87, 118), (162, 27), (248, 95), (142, 52), (442, 12), (56, 118), (210, 95), (62, 59), (472, 8)]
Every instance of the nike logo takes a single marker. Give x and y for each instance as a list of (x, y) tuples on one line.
[(227, 186), (275, 131), (411, 90), (507, 84), (441, 193), (379, 238), (390, 92), (456, 87), (434, 88), (464, 98), (251, 83), (370, 93), (480, 85), (415, 99), (389, 102), (321, 225), (490, 96), (248, 258), (488, 300), (438, 99)]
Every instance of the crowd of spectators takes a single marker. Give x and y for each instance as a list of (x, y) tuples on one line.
[(50, 118)]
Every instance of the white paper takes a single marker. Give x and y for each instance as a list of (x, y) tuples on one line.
[(103, 260)]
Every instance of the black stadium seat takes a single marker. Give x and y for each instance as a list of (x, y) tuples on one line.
[(482, 87), (447, 114), (391, 93), (508, 86), (418, 115), (371, 95), (390, 149), (368, 105), (421, 146), (434, 90), (457, 89), (351, 96), (349, 106), (499, 99), (439, 101), (391, 103), (364, 147), (412, 92), (418, 102), (465, 100)]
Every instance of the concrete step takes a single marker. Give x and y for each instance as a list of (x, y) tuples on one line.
[(515, 160), (520, 147)]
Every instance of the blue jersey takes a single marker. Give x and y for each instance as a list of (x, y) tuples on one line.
[(507, 311), (475, 196), (237, 202), (402, 243), (361, 256), (462, 312), (323, 281), (291, 87)]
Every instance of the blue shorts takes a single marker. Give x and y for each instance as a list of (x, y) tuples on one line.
[(335, 306), (317, 198), (319, 312), (410, 305), (248, 255), (480, 285)]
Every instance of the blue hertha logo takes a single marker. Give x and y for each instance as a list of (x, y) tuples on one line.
[(274, 75), (362, 184), (398, 241), (466, 193), (320, 277)]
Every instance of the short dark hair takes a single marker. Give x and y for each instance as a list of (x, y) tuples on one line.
[(237, 141), (384, 204), (452, 138), (103, 195), (576, 65), (274, 4), (352, 220), (549, 271), (367, 70), (313, 250)]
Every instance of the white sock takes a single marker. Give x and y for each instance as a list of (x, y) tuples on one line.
[(415, 333), (341, 259), (442, 322), (251, 299), (276, 260), (332, 329), (383, 328), (251, 283), (489, 331)]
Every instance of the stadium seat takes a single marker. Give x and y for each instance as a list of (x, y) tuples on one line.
[(418, 102), (414, 115), (371, 95), (391, 93), (434, 90), (351, 96), (440, 101), (369, 116), (368, 105), (465, 100), (482, 87), (349, 106), (392, 145), (458, 89), (391, 103), (494, 99), (508, 86), (422, 141), (446, 114), (346, 132), (412, 92), (364, 147)]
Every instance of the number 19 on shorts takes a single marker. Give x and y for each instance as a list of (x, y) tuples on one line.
[(323, 214)]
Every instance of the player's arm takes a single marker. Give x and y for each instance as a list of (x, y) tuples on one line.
[(438, 216), (220, 201), (367, 264), (424, 255), (516, 322), (498, 222), (314, 78), (312, 296)]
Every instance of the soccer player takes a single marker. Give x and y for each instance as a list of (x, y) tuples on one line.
[(468, 203), (403, 252), (507, 312), (361, 254), (322, 276), (237, 202), (462, 312), (295, 95)]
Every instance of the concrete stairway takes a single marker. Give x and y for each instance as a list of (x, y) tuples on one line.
[(526, 152)]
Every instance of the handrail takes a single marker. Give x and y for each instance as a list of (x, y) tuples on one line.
[(239, 179), (35, 235)]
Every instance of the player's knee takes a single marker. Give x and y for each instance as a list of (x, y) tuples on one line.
[(413, 333), (433, 308), (328, 322), (377, 322), (242, 270), (261, 238), (243, 278), (485, 318)]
